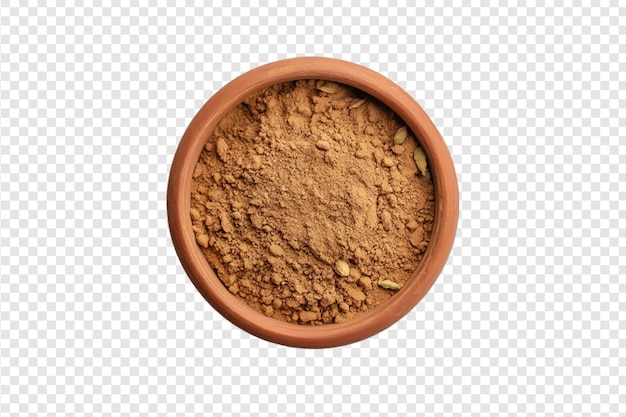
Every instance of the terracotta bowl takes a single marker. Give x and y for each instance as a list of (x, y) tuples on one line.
[(204, 277)]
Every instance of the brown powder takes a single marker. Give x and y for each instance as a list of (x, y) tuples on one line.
[(295, 179)]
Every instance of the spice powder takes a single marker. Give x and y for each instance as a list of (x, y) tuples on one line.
[(303, 203)]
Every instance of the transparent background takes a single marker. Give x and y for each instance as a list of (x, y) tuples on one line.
[(98, 317)]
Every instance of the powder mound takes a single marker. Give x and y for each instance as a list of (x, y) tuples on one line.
[(297, 178)]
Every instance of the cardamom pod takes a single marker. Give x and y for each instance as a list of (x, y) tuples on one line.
[(342, 268), (329, 88), (357, 103), (388, 284), (420, 159), (400, 136)]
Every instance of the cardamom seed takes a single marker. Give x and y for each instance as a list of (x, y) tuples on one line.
[(400, 136), (342, 268), (420, 159), (329, 88), (388, 284), (357, 103)]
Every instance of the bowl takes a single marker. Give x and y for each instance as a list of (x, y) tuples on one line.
[(204, 277)]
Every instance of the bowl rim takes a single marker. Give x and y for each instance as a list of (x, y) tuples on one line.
[(204, 277)]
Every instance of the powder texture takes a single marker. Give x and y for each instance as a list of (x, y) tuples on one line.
[(302, 175)]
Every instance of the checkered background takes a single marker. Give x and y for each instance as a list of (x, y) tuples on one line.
[(97, 317)]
